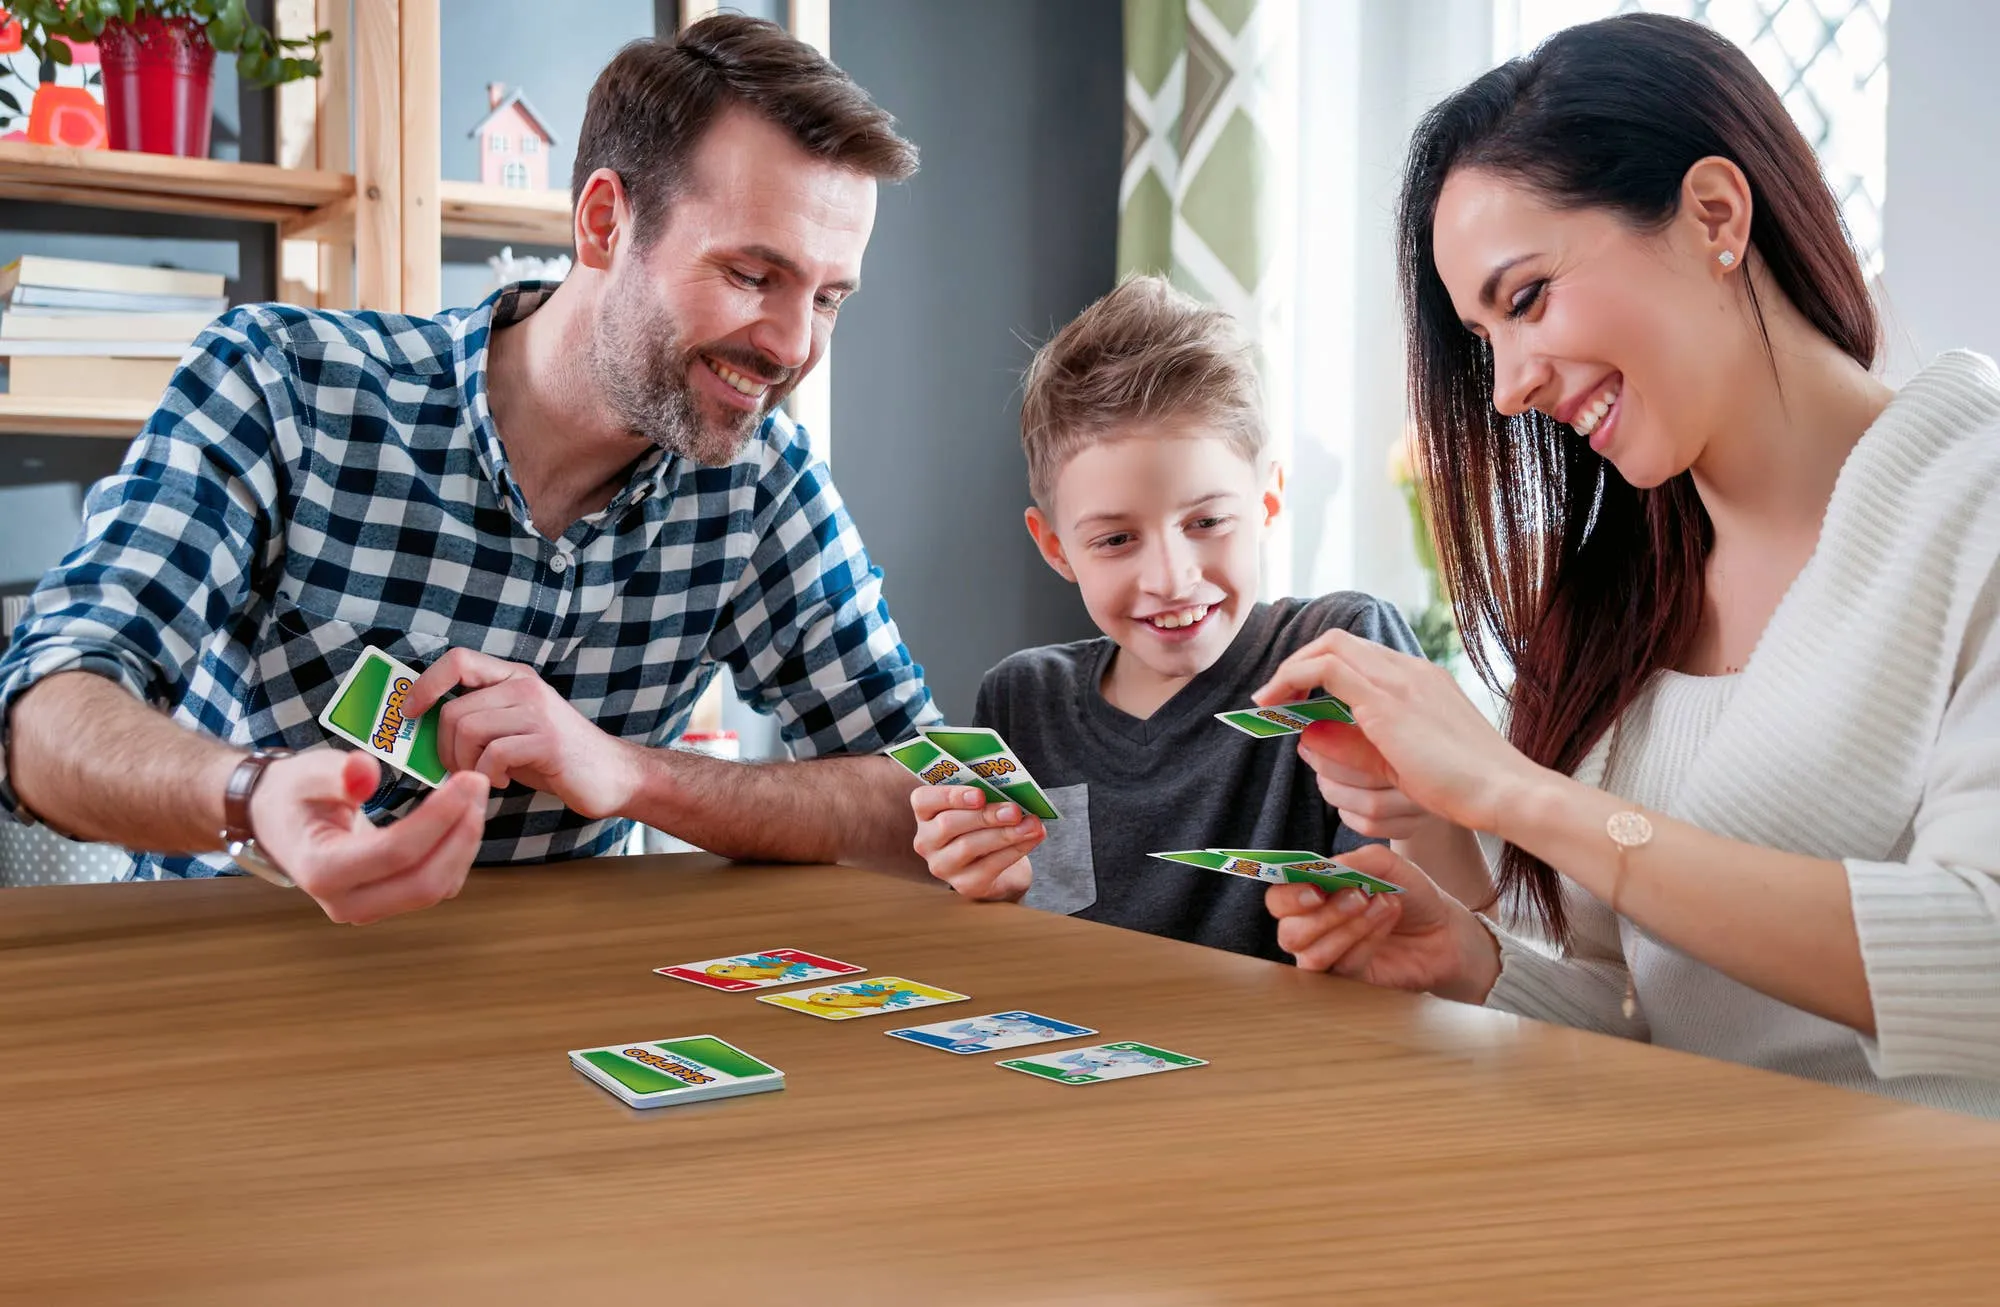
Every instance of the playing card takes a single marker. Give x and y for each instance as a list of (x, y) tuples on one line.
[(367, 711), (1281, 867), (1216, 860), (990, 1034), (933, 766), (986, 756), (1286, 718), (1087, 1066), (778, 966), (693, 1068), (863, 998)]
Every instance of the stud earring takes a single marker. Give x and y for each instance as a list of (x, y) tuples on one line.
[(1727, 258)]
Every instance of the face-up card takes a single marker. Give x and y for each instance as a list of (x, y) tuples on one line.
[(1281, 867), (778, 966), (1217, 860), (367, 711), (990, 1034), (863, 998), (1286, 718), (690, 1069), (1087, 1066), (986, 756)]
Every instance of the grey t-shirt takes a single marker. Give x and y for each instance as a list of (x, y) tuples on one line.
[(1179, 779)]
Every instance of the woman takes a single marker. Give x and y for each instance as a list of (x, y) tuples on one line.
[(1750, 784)]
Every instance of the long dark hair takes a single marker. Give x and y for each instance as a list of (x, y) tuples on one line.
[(1584, 584)]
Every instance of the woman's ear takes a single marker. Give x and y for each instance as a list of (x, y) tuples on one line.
[(1715, 195), (1044, 533)]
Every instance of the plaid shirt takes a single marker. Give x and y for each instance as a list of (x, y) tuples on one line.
[(314, 482)]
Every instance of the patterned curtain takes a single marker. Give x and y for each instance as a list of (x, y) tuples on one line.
[(1208, 191)]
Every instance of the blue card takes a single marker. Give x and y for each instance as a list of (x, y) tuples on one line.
[(990, 1033)]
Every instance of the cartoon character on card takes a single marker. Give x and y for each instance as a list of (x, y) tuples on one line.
[(1092, 1060), (975, 1033), (866, 994), (758, 966)]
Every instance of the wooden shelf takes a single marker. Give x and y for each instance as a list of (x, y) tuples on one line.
[(497, 213), (127, 179), (116, 419)]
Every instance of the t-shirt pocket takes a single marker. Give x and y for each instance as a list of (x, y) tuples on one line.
[(1065, 878)]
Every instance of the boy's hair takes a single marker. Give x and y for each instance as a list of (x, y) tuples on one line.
[(1146, 353), (653, 103)]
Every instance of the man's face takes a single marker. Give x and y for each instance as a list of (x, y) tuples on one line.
[(705, 330)]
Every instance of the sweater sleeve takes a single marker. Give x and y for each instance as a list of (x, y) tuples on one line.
[(1585, 989), (1930, 925)]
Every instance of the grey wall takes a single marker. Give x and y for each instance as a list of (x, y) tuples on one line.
[(1941, 215), (1008, 230)]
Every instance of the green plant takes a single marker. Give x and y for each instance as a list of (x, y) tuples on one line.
[(262, 59)]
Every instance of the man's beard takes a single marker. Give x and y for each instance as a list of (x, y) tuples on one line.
[(639, 363)]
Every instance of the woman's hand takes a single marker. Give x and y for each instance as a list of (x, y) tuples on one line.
[(1421, 939), (1425, 742)]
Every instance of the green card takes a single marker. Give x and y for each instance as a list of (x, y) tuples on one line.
[(367, 711), (693, 1068), (1286, 718), (1281, 867), (973, 755), (1099, 1062)]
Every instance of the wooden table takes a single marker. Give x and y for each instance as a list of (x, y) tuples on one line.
[(210, 1095)]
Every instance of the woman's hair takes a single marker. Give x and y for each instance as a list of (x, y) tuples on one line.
[(1584, 583)]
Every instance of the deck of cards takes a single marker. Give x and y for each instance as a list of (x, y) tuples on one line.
[(1286, 718), (367, 711), (975, 756), (665, 1072), (1281, 867)]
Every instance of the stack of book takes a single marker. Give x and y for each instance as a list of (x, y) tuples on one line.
[(75, 329)]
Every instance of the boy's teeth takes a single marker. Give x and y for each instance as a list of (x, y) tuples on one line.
[(1185, 617)]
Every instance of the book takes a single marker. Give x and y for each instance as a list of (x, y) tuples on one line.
[(85, 274), (89, 376), (113, 301), (122, 349), (64, 324)]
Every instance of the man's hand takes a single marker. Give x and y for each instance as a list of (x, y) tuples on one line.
[(509, 725), (306, 814)]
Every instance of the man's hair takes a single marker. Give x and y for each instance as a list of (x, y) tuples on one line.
[(1145, 354), (653, 103)]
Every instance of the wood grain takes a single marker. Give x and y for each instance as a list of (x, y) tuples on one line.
[(210, 1095), (378, 160)]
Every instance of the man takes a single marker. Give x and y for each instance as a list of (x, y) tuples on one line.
[(573, 503)]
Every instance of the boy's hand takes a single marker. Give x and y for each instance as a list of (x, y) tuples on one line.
[(981, 852)]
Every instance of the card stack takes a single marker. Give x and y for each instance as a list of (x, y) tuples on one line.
[(691, 1069)]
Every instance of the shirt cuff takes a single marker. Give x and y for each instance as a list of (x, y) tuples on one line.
[(1929, 937)]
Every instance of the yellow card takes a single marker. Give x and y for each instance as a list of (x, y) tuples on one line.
[(863, 998)]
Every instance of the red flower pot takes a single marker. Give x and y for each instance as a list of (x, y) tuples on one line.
[(159, 85)]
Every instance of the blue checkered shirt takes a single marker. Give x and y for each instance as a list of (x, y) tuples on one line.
[(314, 482)]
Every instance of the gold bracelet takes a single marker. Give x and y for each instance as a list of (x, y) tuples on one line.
[(1628, 830)]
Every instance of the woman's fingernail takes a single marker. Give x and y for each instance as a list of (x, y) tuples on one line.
[(1350, 901), (1310, 897), (1378, 906)]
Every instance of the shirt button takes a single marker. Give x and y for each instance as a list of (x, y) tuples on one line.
[(559, 564)]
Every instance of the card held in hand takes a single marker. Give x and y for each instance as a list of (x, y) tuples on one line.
[(1281, 867), (975, 756), (367, 711), (1286, 718)]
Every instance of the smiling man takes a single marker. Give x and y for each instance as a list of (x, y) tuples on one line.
[(573, 504)]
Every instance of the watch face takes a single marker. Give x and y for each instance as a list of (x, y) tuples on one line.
[(246, 854)]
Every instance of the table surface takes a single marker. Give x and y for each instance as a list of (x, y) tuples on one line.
[(209, 1094)]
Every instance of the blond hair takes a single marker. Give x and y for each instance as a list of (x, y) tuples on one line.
[(1144, 354)]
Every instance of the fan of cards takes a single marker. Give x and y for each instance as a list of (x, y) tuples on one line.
[(1281, 867), (697, 1068), (975, 756)]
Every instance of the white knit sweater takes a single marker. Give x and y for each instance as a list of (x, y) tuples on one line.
[(1866, 730)]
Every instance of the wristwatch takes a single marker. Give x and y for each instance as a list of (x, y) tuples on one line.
[(239, 841)]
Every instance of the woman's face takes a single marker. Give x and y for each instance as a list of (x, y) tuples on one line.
[(1630, 338)]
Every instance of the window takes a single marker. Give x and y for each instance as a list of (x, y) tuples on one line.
[(531, 144), (496, 144), (515, 175), (1828, 60)]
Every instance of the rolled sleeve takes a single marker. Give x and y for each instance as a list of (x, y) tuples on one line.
[(169, 542), (808, 636), (1929, 925)]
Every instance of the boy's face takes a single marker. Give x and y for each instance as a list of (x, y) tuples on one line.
[(1160, 531)]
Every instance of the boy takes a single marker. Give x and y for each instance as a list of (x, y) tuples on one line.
[(1145, 438)]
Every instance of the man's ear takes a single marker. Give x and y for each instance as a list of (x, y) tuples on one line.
[(602, 221), (1274, 492), (1044, 533)]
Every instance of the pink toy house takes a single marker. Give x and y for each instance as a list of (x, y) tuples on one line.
[(513, 143)]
